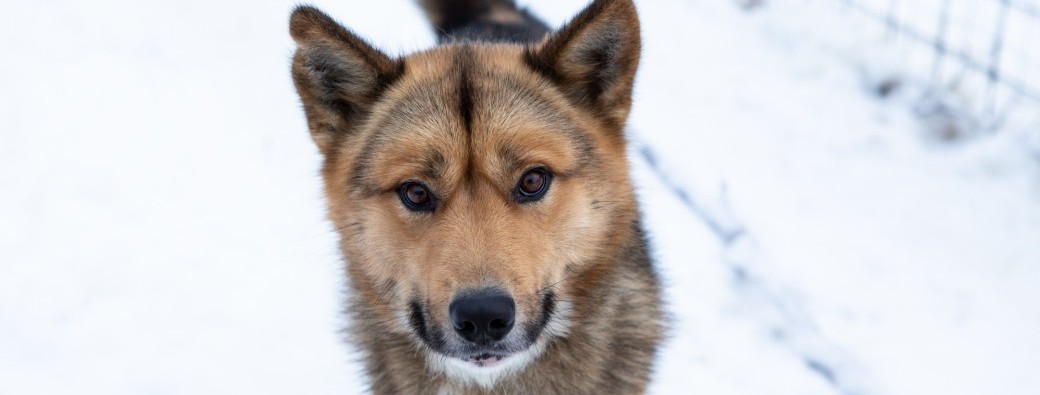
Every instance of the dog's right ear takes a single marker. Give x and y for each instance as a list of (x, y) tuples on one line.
[(594, 58), (337, 74)]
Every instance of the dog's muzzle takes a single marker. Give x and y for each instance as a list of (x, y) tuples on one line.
[(484, 331)]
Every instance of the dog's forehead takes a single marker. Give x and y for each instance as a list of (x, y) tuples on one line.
[(466, 103), (473, 90)]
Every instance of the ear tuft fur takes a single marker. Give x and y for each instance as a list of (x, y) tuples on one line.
[(594, 57), (302, 21), (337, 74)]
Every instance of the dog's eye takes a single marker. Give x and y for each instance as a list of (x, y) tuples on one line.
[(532, 185), (417, 197)]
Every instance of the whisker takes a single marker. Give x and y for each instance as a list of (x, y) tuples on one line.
[(565, 278)]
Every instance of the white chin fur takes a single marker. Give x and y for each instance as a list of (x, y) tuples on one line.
[(465, 373)]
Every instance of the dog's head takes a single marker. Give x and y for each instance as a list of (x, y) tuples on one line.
[(474, 185)]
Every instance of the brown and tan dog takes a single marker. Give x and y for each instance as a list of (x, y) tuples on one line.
[(482, 195)]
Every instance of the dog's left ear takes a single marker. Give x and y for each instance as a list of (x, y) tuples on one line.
[(594, 58)]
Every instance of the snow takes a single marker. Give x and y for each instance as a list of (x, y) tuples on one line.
[(161, 223)]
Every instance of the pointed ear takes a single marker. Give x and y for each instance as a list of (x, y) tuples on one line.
[(337, 74), (594, 58)]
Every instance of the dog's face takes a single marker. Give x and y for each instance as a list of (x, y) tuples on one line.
[(472, 183)]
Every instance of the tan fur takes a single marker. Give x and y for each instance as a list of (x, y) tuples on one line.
[(582, 241)]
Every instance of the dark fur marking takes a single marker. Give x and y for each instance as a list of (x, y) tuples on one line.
[(433, 165), (639, 249), (602, 55), (418, 322), (548, 308), (360, 175), (510, 157), (431, 336), (463, 63)]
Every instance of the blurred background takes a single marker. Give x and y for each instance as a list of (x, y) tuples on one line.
[(843, 196)]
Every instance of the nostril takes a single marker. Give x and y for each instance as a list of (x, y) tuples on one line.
[(498, 324), (466, 327)]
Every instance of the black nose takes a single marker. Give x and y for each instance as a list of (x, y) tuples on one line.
[(484, 316)]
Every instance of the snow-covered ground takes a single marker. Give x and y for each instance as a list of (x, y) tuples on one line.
[(161, 223)]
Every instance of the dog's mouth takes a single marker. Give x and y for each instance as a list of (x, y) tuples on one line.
[(486, 360)]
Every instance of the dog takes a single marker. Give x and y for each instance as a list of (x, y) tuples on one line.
[(481, 193)]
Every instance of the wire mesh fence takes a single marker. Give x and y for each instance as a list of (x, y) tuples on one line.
[(986, 52)]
